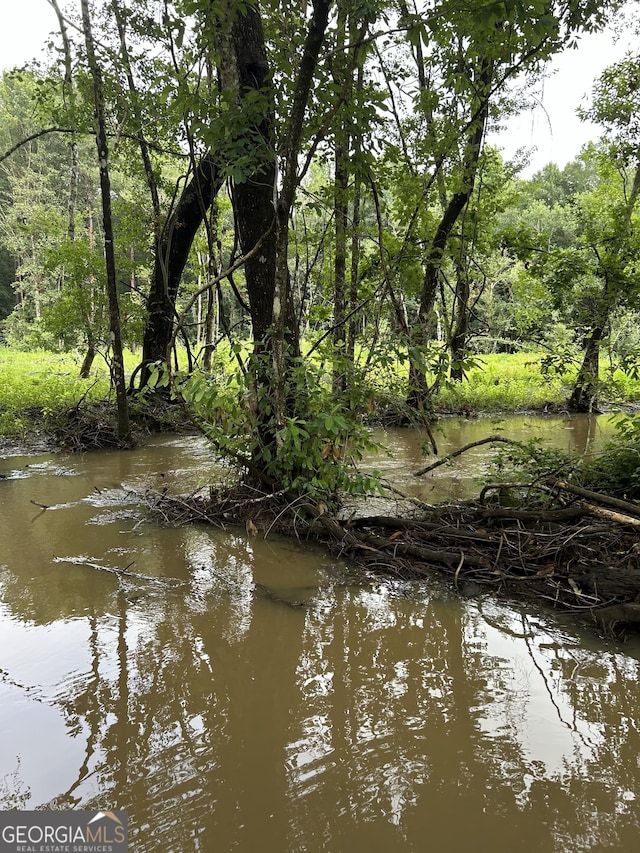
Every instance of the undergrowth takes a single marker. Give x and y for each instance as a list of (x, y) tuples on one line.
[(34, 385), (505, 383)]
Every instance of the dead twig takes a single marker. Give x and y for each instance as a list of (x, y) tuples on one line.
[(120, 573)]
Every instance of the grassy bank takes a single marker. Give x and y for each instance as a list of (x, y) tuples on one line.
[(508, 383), (33, 385)]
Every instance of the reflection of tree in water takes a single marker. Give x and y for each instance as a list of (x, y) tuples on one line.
[(594, 797), (394, 733), (14, 793), (152, 713), (364, 720), (166, 713)]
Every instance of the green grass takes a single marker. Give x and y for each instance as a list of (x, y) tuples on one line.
[(505, 383), (34, 384), (514, 382)]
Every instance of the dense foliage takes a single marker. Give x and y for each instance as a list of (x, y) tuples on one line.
[(332, 212)]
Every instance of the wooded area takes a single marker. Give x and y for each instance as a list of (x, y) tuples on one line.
[(302, 198)]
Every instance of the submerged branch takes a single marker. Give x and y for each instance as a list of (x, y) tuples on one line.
[(123, 573)]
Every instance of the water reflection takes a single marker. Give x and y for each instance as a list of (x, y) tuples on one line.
[(464, 478), (266, 704)]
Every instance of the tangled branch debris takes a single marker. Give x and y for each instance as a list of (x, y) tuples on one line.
[(563, 554), (93, 425)]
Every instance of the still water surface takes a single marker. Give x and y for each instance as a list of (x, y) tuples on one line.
[(252, 699)]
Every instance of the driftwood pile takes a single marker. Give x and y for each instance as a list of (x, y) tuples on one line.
[(90, 426), (580, 552), (93, 425)]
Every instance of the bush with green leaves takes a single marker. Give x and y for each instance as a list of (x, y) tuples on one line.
[(532, 461), (616, 470), (314, 453)]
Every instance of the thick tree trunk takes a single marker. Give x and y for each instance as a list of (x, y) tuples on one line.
[(244, 68), (172, 253), (584, 397), (259, 218)]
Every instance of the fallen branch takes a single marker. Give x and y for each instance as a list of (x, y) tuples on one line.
[(393, 523), (445, 459), (429, 555), (614, 516), (41, 506), (598, 497), (542, 515), (172, 582)]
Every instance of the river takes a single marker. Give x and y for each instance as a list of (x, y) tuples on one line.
[(249, 696)]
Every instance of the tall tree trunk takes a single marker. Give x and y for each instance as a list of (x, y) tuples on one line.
[(214, 294), (74, 174), (243, 70), (117, 364), (342, 76), (285, 330), (423, 332), (355, 226), (90, 317), (460, 321), (341, 207), (352, 324)]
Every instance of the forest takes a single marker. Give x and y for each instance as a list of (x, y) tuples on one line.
[(288, 220)]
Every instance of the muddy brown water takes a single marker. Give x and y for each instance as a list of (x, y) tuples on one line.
[(252, 698)]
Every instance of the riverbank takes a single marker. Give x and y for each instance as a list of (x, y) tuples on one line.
[(38, 388)]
